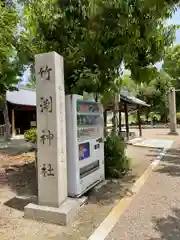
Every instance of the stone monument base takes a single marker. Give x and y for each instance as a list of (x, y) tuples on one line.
[(60, 216), (173, 133)]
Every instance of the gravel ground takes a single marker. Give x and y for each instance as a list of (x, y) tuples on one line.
[(154, 213), (102, 202), (21, 180)]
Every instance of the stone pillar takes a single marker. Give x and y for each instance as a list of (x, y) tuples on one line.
[(172, 111), (53, 204), (51, 141)]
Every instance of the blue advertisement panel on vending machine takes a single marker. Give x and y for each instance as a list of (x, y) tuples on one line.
[(84, 151)]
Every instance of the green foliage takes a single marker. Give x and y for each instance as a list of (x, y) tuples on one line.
[(172, 61), (95, 36), (11, 48), (31, 81), (153, 115), (129, 84), (8, 26), (172, 67), (178, 117), (149, 38), (116, 161), (11, 55), (31, 135), (155, 94)]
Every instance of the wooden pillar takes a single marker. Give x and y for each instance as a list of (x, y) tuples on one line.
[(13, 122), (139, 121), (105, 122), (120, 119), (126, 120), (105, 118)]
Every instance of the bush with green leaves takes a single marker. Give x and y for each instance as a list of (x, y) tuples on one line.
[(31, 135), (116, 161), (178, 117)]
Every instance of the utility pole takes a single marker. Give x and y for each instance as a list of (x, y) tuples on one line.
[(172, 111)]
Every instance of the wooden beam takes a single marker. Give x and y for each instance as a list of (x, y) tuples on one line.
[(13, 122), (139, 121), (126, 120)]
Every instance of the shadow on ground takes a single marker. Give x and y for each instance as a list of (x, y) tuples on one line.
[(170, 165), (19, 202), (168, 227), (14, 147), (22, 179), (112, 191), (153, 152)]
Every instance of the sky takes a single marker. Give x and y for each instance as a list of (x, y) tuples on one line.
[(174, 20)]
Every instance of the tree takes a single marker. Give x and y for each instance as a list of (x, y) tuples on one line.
[(10, 54), (172, 66), (155, 94), (172, 61), (95, 37), (31, 81), (150, 37), (129, 84)]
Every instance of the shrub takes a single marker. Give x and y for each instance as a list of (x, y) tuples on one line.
[(31, 135), (154, 115), (178, 117), (116, 161)]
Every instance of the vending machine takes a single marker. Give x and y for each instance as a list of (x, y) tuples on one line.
[(85, 147)]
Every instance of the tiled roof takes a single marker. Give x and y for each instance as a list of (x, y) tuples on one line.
[(24, 96), (127, 97), (27, 97)]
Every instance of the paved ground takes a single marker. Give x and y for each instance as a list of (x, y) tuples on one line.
[(158, 199), (156, 134), (154, 213), (21, 181)]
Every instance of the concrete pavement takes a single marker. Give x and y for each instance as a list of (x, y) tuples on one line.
[(154, 213)]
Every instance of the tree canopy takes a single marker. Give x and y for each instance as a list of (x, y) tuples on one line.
[(172, 61), (94, 37), (172, 66), (11, 55), (11, 48), (155, 94)]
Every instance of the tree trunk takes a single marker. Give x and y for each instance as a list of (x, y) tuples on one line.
[(115, 112), (6, 120)]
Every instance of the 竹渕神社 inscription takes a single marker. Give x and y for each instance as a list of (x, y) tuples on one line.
[(51, 133), (47, 170), (45, 73), (46, 104)]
